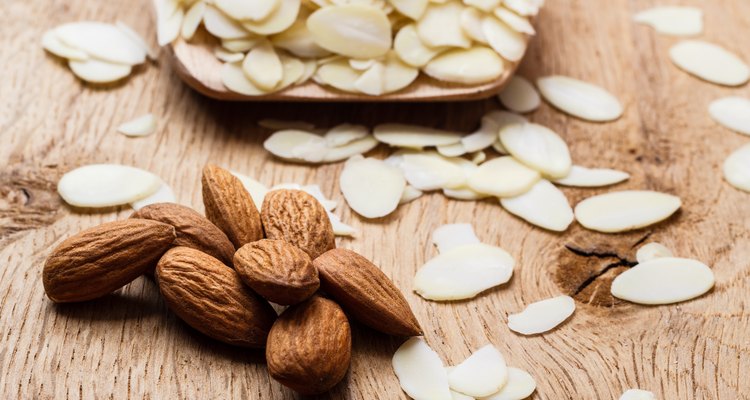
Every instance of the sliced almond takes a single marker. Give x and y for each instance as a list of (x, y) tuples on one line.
[(228, 57), (410, 48), (164, 194), (464, 193), (220, 25), (431, 171), (339, 74), (152, 53), (651, 251), (106, 185), (452, 150), (510, 44), (520, 385), (371, 187), (169, 24), (413, 9), (256, 189), (737, 168), (626, 210), (733, 112), (397, 74), (413, 137), (478, 157), (96, 71), (484, 5), (637, 394), (710, 62), (544, 206), (517, 22), (343, 134), (372, 81), (298, 41), (240, 45), (538, 147), (441, 25), (471, 23), (519, 95), (592, 177), (340, 228), (410, 194), (468, 66), (263, 66), (100, 40), (278, 21), (482, 374), (51, 43), (242, 9), (420, 371), (542, 316), (463, 272), (523, 7), (353, 30), (283, 143), (343, 152), (192, 20), (580, 99), (482, 138), (233, 77), (663, 280), (503, 177), (141, 126), (673, 20), (450, 236)]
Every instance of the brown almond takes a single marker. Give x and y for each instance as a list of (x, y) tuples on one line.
[(230, 207), (277, 271), (103, 259), (210, 297), (297, 218), (309, 347), (366, 293), (193, 230)]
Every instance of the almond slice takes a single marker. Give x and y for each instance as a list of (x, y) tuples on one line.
[(663, 280), (580, 99), (503, 177), (464, 193), (733, 112), (164, 194), (240, 45), (673, 20), (242, 9), (544, 206), (542, 316), (538, 147), (397, 74), (413, 9), (192, 20), (482, 374), (283, 143), (651, 251), (256, 189), (168, 24), (441, 26), (220, 25), (234, 79), (518, 23), (298, 41), (339, 74), (278, 21), (520, 385), (519, 95), (510, 44), (344, 134), (637, 394), (410, 194), (413, 137), (106, 185), (96, 71), (463, 272), (468, 66), (372, 81), (420, 371), (450, 236), (626, 210), (343, 152), (483, 137), (592, 177), (371, 187), (452, 150), (141, 126), (410, 48), (353, 30), (431, 171), (152, 53), (524, 7), (228, 57), (51, 43), (263, 66), (103, 41), (737, 168), (710, 62), (471, 23), (484, 5)]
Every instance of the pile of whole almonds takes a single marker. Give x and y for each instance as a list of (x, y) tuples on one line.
[(221, 272)]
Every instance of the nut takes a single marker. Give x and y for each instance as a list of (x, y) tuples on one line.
[(230, 207), (309, 347), (297, 218), (101, 260), (193, 230), (277, 271), (211, 298), (366, 293)]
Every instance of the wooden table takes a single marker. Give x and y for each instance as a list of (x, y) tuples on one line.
[(129, 345)]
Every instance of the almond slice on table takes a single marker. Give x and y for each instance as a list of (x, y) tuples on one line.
[(673, 20), (440, 25), (507, 42), (637, 394), (192, 20), (410, 194), (96, 71), (733, 112), (580, 99), (141, 126), (625, 210), (737, 168), (106, 185), (471, 66), (483, 137), (538, 147), (503, 177), (371, 187), (354, 148), (592, 177), (284, 142), (651, 251), (220, 25), (431, 171), (663, 280), (343, 134), (452, 150), (54, 45), (256, 189), (482, 374), (263, 66), (253, 10), (520, 385), (420, 371), (101, 40), (278, 21), (478, 157), (413, 137), (340, 228), (410, 48), (520, 95), (464, 193), (543, 205), (164, 194), (542, 316), (152, 53), (353, 30), (710, 62), (447, 237), (463, 272)]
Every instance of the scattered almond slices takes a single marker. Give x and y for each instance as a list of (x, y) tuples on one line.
[(480, 375), (106, 185), (520, 95), (710, 62), (663, 280), (102, 41), (54, 45), (651, 251), (625, 210), (420, 371), (164, 194), (429, 170), (673, 20), (372, 188), (503, 177), (733, 112), (520, 385), (410, 194), (592, 177), (542, 316), (413, 137), (303, 146), (450, 236), (544, 206), (637, 394), (95, 71), (141, 126), (737, 168), (538, 147), (580, 99)]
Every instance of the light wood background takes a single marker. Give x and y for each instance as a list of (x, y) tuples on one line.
[(129, 346)]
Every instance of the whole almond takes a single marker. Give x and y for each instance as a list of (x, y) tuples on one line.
[(193, 230), (277, 270), (297, 218), (103, 259), (230, 207), (309, 347), (366, 293), (210, 297)]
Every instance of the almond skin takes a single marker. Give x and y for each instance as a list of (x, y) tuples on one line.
[(277, 271), (100, 260), (297, 218), (366, 293), (230, 207), (309, 347), (193, 230), (210, 297)]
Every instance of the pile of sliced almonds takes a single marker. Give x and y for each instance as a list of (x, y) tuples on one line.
[(97, 52), (370, 47)]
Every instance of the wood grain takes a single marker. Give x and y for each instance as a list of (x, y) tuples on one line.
[(128, 346)]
